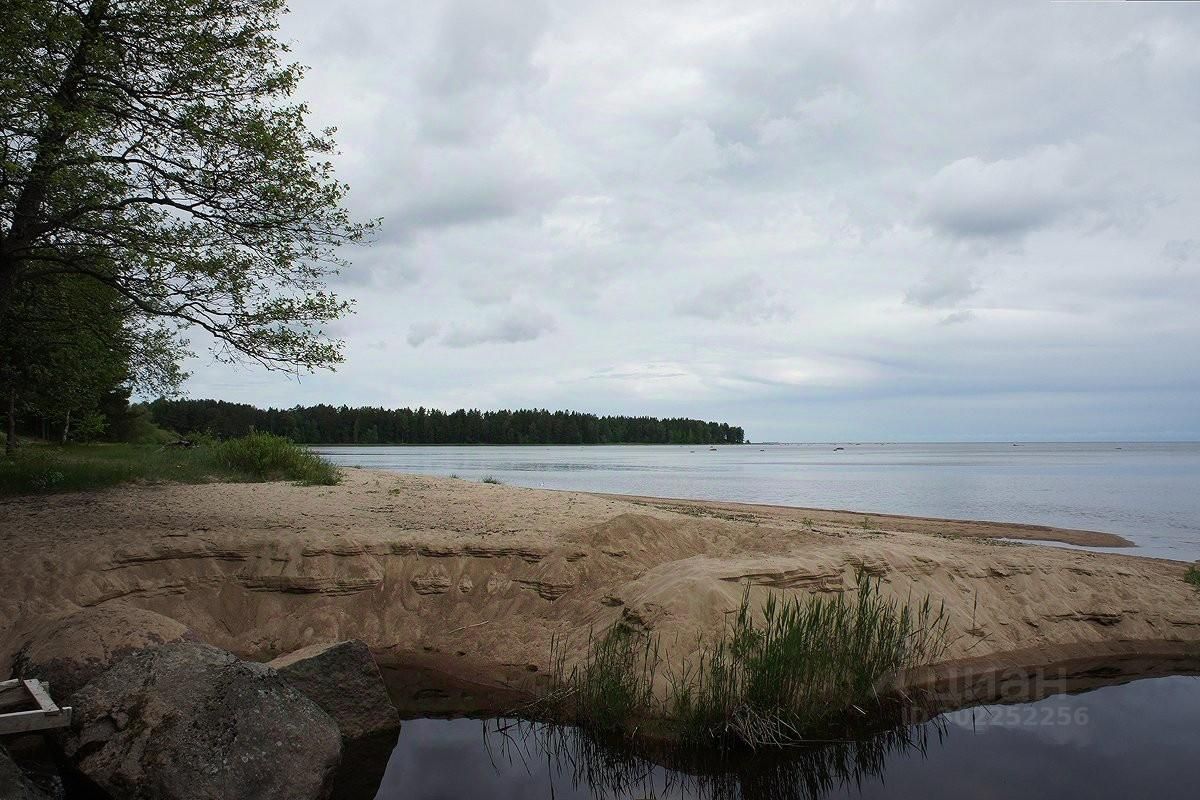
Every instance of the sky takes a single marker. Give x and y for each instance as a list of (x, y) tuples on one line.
[(823, 221)]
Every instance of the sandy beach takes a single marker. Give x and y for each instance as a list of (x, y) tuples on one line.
[(469, 581)]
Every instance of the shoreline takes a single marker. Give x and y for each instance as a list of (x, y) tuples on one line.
[(972, 528), (471, 580)]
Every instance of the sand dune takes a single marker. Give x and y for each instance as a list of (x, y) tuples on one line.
[(473, 580)]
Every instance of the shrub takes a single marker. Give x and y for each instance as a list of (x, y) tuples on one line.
[(1192, 576), (265, 457)]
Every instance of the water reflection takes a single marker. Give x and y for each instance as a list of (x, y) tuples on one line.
[(1134, 740), (606, 769)]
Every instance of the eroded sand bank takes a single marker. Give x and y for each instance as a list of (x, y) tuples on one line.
[(472, 580)]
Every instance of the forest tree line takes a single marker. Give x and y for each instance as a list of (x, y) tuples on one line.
[(325, 424)]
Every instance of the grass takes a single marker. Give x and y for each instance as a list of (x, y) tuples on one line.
[(490, 479), (793, 670), (613, 685), (1192, 576), (39, 469)]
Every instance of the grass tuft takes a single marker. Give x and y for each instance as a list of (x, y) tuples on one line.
[(793, 670), (614, 683), (1192, 575), (490, 479)]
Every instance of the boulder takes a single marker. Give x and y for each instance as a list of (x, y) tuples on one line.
[(187, 721), (68, 650), (14, 784), (344, 680)]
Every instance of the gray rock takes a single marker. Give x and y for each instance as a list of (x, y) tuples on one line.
[(14, 784), (188, 721), (68, 650), (344, 680)]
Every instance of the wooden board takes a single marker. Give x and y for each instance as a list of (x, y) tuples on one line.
[(46, 716)]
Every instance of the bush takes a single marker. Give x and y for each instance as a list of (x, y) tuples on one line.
[(266, 457)]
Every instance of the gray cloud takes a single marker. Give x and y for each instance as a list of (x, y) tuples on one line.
[(744, 298), (671, 188), (972, 197), (942, 288), (957, 317), (421, 332), (1181, 251), (512, 327)]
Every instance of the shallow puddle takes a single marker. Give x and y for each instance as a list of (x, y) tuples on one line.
[(1139, 739)]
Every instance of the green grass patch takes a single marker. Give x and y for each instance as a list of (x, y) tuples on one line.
[(490, 479), (265, 457), (43, 468), (790, 671), (1192, 576)]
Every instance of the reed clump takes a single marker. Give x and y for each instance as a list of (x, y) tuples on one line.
[(614, 684), (789, 672)]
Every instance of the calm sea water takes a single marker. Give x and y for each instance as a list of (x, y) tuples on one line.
[(1134, 740), (1149, 493)]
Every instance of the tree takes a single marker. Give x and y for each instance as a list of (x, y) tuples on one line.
[(66, 343), (153, 147)]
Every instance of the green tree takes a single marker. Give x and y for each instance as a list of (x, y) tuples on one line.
[(154, 147), (66, 343)]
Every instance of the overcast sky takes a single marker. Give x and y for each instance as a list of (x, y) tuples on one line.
[(821, 221)]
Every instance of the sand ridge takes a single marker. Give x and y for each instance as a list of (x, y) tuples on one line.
[(475, 578)]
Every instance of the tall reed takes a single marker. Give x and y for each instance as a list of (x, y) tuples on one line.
[(807, 668), (793, 670)]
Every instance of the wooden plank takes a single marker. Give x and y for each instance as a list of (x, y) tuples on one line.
[(14, 699), (41, 696), (13, 694), (29, 721)]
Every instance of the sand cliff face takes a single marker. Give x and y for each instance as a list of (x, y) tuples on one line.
[(477, 578)]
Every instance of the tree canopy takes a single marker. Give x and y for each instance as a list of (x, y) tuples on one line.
[(152, 150), (324, 424)]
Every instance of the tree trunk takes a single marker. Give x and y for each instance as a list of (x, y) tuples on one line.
[(10, 443), (66, 427)]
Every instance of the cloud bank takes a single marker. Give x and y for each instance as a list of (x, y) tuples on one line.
[(818, 220)]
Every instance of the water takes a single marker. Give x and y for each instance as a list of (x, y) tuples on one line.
[(1135, 740), (1149, 493)]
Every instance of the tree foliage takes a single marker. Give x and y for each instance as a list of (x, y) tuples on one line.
[(65, 343), (325, 424), (152, 146), (155, 174)]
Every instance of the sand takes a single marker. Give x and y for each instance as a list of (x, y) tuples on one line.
[(454, 578)]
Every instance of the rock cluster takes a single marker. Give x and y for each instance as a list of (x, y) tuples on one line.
[(160, 715)]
